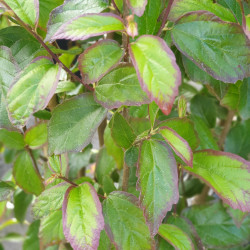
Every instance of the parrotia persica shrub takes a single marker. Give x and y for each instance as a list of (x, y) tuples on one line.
[(166, 87)]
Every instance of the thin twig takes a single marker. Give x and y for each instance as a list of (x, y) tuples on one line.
[(165, 17), (115, 6), (39, 39), (101, 129), (67, 180)]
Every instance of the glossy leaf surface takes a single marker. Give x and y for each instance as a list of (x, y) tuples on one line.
[(89, 25), (157, 182), (120, 87), (36, 136), (176, 237), (232, 187), (130, 231), (178, 144), (26, 10), (32, 90), (182, 7), (207, 49), (154, 63), (73, 123), (71, 9), (99, 59), (82, 217)]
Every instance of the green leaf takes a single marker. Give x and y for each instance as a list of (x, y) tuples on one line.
[(237, 215), (73, 124), (244, 99), (152, 111), (6, 190), (232, 96), (120, 87), (58, 164), (204, 107), (45, 7), (178, 144), (82, 217), (50, 200), (130, 230), (196, 36), (176, 237), (227, 174), (36, 136), (121, 131), (21, 43), (148, 23), (158, 182), (193, 187), (51, 229), (108, 184), (104, 242), (112, 149), (185, 128), (11, 139), (99, 59), (31, 241), (43, 114), (26, 175), (32, 90), (237, 140), (131, 156), (65, 86), (105, 165), (137, 6), (154, 63), (88, 25), (2, 208), (4, 119), (182, 7), (21, 204), (71, 9), (216, 228), (204, 134), (26, 10)]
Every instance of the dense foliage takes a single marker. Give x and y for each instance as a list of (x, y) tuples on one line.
[(164, 84)]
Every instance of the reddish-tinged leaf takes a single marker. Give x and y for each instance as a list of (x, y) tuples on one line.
[(82, 217), (157, 71), (89, 25), (157, 182), (178, 144), (227, 174), (137, 6)]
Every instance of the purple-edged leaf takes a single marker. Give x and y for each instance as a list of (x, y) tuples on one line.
[(137, 6), (32, 90), (26, 10), (82, 217), (156, 69), (227, 174), (182, 7), (125, 223), (178, 144), (89, 25), (99, 59), (73, 124), (26, 175), (50, 200), (120, 87), (71, 9), (224, 56), (157, 181), (176, 237)]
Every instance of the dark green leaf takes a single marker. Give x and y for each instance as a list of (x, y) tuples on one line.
[(120, 87), (196, 36), (131, 156), (31, 241), (104, 242), (121, 131), (73, 124), (26, 175), (21, 204), (193, 187), (43, 114), (216, 228), (157, 181), (125, 221), (244, 99)]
